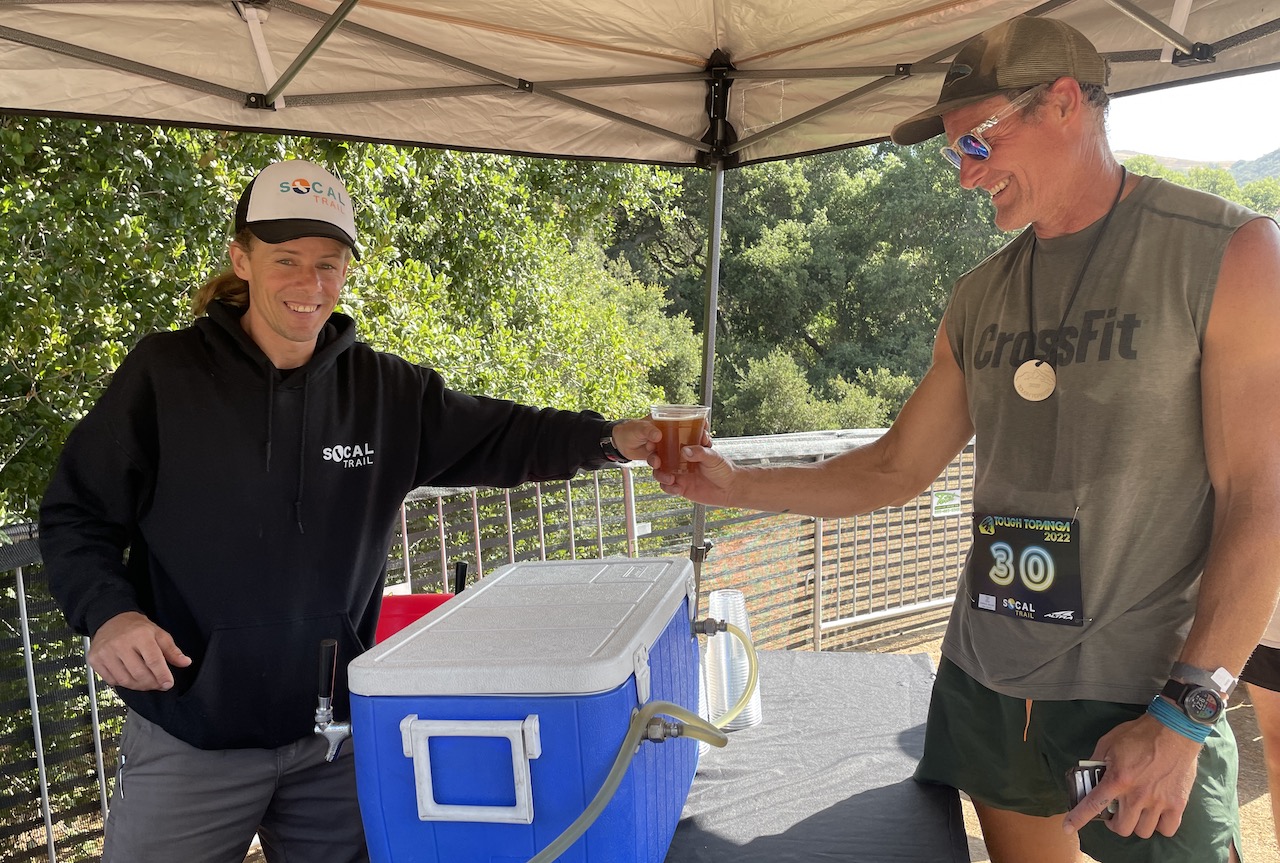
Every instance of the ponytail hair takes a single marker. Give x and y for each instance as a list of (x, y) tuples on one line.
[(226, 286)]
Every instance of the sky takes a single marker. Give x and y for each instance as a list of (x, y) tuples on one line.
[(1227, 120)]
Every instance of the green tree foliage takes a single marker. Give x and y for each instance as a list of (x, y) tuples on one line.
[(667, 339), (842, 261), (774, 398), (485, 267), (1262, 195), (854, 406), (1149, 167), (1216, 181), (104, 226), (916, 232), (892, 390)]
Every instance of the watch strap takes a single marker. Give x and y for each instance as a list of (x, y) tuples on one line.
[(1174, 690), (610, 450), (1219, 679)]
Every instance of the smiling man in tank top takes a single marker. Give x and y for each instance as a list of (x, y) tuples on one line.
[(1115, 363)]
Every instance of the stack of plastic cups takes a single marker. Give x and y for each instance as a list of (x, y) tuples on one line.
[(727, 665)]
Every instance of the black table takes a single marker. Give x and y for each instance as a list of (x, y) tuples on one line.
[(826, 775)]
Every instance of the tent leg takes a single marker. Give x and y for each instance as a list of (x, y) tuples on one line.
[(699, 548)]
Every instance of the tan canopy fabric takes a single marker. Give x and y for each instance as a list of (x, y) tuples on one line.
[(677, 82)]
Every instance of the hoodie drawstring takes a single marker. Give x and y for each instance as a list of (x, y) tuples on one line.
[(271, 410), (302, 444), (302, 454)]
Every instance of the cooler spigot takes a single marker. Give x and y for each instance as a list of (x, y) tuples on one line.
[(333, 732)]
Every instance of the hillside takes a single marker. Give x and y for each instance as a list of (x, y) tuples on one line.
[(1244, 170), (1264, 166)]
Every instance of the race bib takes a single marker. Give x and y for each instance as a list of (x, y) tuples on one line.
[(1026, 567)]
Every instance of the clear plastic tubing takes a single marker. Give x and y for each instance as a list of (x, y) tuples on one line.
[(694, 726), (753, 673)]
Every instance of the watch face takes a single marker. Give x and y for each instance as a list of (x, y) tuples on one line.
[(1203, 705)]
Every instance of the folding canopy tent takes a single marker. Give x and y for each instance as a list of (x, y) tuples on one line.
[(710, 83), (676, 82)]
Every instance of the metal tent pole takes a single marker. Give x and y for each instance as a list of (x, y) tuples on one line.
[(698, 549), (720, 135)]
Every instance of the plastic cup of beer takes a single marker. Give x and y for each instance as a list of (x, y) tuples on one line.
[(681, 426)]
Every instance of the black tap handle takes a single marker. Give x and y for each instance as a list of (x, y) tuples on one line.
[(459, 576), (328, 666)]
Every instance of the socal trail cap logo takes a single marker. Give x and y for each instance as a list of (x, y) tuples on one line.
[(297, 198)]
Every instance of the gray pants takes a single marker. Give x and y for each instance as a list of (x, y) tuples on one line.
[(174, 802)]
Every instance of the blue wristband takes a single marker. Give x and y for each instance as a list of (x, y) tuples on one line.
[(1175, 720)]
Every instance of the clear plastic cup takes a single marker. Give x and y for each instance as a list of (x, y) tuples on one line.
[(681, 426)]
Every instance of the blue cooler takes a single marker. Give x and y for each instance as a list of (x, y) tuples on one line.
[(485, 729)]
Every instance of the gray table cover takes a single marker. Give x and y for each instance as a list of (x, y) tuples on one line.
[(826, 775)]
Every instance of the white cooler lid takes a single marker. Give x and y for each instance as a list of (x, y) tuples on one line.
[(544, 628)]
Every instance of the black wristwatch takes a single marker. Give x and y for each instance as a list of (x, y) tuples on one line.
[(1202, 695), (607, 447), (1202, 704)]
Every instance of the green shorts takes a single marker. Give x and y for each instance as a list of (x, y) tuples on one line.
[(974, 742)]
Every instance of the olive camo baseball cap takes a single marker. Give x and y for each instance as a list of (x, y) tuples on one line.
[(297, 198), (1021, 52)]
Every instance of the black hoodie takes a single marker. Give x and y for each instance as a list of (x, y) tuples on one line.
[(249, 512)]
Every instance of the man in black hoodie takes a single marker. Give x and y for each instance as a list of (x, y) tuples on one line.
[(229, 503)]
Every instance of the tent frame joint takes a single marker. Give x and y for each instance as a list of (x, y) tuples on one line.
[(258, 102), (720, 133), (1201, 52)]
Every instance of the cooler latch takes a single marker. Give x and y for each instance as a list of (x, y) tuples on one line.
[(526, 745), (640, 662)]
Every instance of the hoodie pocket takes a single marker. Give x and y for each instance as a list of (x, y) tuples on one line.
[(258, 685)]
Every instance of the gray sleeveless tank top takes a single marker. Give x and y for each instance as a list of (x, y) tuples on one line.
[(1118, 447)]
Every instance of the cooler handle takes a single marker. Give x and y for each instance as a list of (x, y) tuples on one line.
[(526, 745)]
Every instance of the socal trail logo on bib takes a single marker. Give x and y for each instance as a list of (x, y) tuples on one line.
[(1026, 567), (350, 455)]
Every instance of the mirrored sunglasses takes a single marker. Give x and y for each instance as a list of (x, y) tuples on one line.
[(972, 144)]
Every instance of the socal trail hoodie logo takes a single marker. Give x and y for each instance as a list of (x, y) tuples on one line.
[(350, 455)]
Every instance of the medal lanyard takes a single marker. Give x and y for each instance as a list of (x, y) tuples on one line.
[(1031, 296)]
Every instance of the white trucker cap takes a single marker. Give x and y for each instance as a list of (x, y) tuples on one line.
[(297, 198)]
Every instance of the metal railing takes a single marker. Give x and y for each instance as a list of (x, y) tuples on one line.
[(809, 583)]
